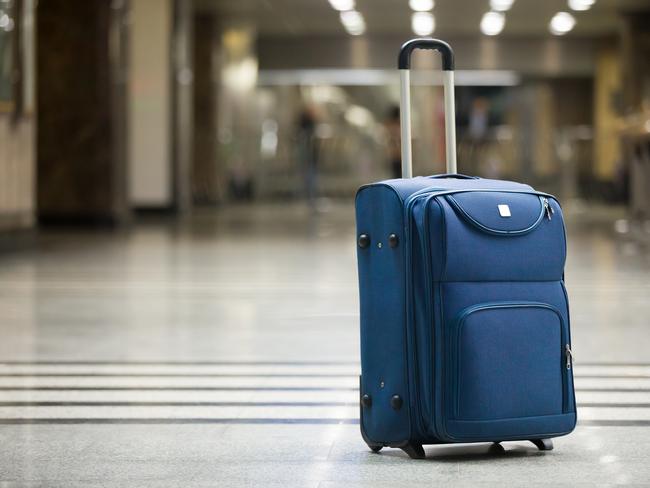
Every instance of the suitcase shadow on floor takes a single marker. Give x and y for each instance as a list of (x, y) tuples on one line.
[(471, 452)]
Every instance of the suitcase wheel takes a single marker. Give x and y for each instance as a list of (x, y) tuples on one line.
[(375, 447), (543, 444), (496, 448), (414, 451)]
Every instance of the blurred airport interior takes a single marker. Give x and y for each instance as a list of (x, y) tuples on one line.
[(110, 107), (177, 249)]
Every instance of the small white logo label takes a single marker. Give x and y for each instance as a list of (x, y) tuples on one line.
[(504, 210)]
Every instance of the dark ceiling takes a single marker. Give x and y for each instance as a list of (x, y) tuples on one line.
[(527, 18)]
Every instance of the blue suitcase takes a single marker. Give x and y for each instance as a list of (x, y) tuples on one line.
[(464, 313)]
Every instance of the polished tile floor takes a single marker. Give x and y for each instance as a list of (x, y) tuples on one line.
[(223, 351)]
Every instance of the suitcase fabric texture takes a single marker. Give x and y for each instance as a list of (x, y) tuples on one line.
[(464, 313)]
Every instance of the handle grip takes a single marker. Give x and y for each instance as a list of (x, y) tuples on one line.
[(457, 176), (404, 59), (403, 63)]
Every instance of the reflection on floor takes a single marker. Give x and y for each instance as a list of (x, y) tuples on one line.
[(223, 351)]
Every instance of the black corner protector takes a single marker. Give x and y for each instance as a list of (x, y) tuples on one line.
[(396, 402), (364, 241), (366, 401)]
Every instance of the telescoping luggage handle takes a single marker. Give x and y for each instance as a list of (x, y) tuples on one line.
[(404, 62)]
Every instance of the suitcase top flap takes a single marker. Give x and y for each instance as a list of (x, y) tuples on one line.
[(493, 236), (406, 187), (500, 213)]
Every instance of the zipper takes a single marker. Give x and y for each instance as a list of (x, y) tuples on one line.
[(548, 208), (569, 356), (441, 192)]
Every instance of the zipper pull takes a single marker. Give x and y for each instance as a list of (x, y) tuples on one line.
[(569, 356), (549, 210)]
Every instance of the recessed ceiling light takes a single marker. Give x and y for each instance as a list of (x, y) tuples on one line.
[(353, 22), (342, 5), (561, 23), (501, 5), (421, 5), (423, 23), (492, 23), (580, 5)]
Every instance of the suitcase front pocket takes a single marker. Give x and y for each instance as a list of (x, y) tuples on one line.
[(511, 360)]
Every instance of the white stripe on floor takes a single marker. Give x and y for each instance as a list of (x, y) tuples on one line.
[(255, 382), (180, 412), (220, 412), (344, 369), (182, 396), (609, 397), (195, 382), (261, 369)]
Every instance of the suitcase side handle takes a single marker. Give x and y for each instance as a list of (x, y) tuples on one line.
[(404, 63)]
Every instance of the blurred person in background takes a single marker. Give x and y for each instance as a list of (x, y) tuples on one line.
[(479, 119), (393, 142), (475, 136), (240, 181), (308, 152)]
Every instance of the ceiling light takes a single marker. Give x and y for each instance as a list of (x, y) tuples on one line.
[(423, 23), (581, 4), (353, 22), (501, 5), (561, 23), (342, 5), (421, 5), (492, 23)]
